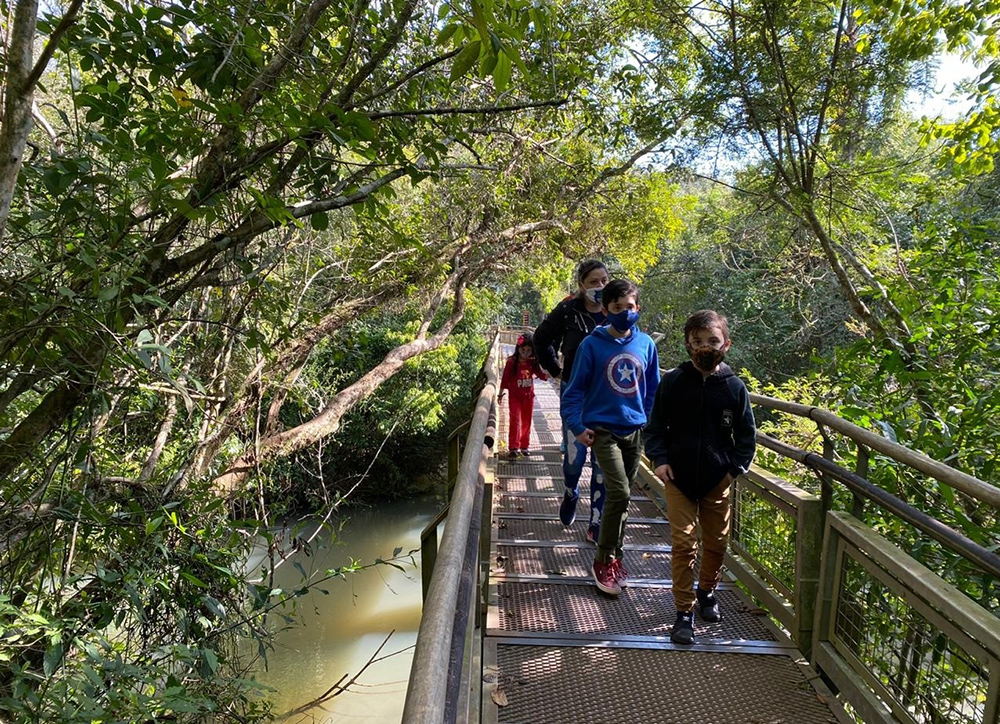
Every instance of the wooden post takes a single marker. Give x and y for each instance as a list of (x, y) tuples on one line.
[(485, 547), (829, 572), (428, 555), (858, 506), (454, 457), (808, 560), (825, 486)]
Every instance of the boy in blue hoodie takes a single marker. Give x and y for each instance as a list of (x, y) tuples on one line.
[(606, 405)]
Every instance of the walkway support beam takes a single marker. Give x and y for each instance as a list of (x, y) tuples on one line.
[(428, 687)]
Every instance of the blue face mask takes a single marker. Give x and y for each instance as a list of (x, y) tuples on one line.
[(593, 295), (624, 320)]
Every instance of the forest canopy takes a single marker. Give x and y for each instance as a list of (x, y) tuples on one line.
[(249, 247)]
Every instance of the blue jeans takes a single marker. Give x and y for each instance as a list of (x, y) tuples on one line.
[(574, 460)]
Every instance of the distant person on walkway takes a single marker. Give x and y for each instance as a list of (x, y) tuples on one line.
[(700, 437), (518, 377), (606, 405), (564, 329)]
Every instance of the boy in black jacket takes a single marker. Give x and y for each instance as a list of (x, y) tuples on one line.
[(701, 436)]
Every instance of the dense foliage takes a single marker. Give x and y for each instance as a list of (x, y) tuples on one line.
[(250, 255)]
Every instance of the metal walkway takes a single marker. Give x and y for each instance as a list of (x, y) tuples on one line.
[(557, 650)]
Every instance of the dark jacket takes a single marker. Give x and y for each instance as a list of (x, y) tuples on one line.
[(702, 427), (567, 325)]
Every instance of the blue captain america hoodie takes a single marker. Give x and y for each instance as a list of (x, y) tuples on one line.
[(613, 383)]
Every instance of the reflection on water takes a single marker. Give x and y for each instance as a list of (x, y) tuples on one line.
[(341, 631)]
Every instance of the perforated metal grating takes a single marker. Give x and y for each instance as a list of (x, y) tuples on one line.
[(920, 666), (569, 609), (531, 484), (553, 530), (589, 685), (577, 562), (550, 505)]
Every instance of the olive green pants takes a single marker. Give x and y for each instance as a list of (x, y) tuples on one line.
[(619, 457)]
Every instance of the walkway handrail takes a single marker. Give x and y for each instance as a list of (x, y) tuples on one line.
[(951, 538), (968, 484), (428, 687)]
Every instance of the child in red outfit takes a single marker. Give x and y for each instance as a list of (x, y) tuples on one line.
[(518, 376)]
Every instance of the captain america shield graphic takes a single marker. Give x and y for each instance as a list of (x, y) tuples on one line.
[(623, 372)]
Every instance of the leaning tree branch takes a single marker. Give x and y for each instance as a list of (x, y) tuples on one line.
[(328, 421), (459, 110)]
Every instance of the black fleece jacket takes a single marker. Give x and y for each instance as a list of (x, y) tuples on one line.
[(566, 325), (702, 427)]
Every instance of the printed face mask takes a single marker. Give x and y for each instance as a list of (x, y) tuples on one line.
[(594, 295), (624, 320), (706, 358)]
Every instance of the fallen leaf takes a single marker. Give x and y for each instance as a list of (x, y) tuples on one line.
[(499, 696), (821, 698), (555, 572), (647, 555), (520, 509)]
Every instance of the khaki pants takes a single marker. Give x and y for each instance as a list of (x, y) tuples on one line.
[(684, 515)]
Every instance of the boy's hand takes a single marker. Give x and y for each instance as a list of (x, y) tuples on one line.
[(664, 473), (586, 437)]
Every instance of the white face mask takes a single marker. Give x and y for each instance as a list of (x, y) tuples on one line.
[(594, 295)]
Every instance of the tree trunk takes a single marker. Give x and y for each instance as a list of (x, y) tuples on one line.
[(327, 422), (17, 103)]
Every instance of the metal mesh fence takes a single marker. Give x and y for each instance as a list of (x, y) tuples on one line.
[(766, 533), (923, 669)]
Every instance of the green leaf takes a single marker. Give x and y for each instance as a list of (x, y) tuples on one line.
[(53, 656), (446, 34), (363, 125), (194, 580), (108, 293), (465, 60), (487, 63), (480, 19), (320, 221), (211, 660), (501, 74)]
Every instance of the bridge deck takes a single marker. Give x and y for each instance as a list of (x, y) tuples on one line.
[(557, 650)]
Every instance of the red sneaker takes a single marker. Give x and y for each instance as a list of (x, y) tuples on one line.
[(604, 577), (620, 574)]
